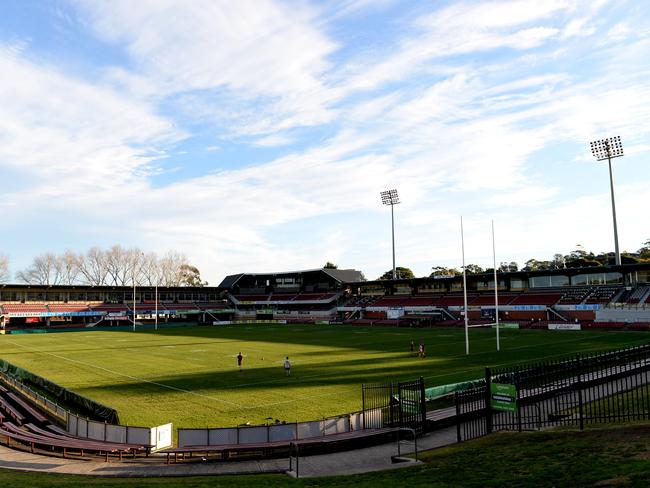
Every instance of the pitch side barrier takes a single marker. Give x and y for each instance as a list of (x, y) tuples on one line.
[(154, 438), (248, 322), (270, 433), (79, 402)]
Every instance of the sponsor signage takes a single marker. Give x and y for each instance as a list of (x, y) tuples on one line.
[(54, 314), (503, 396), (564, 326), (394, 313), (528, 307), (506, 325), (592, 306)]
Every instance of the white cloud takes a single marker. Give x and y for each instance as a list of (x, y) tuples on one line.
[(257, 50), (58, 129)]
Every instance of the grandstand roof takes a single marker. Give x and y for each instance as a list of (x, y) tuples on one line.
[(340, 275)]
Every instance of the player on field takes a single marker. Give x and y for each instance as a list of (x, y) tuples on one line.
[(287, 366), (240, 358)]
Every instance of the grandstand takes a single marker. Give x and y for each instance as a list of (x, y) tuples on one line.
[(605, 296)]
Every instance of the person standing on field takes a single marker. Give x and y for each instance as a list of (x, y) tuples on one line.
[(240, 358), (287, 366)]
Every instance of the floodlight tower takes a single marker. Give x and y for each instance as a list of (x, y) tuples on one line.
[(390, 197), (607, 149)]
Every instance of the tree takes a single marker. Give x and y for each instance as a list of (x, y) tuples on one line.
[(190, 276), (45, 270), (400, 273), (473, 269), (93, 267), (4, 269), (510, 267), (330, 265), (644, 251), (438, 271), (558, 262)]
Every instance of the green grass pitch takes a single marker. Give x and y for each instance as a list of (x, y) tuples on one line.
[(189, 375)]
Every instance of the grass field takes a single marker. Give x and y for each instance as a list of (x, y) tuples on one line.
[(189, 376)]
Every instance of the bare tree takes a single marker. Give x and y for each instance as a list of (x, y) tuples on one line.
[(116, 266), (45, 270), (170, 268), (68, 266), (4, 269), (92, 266)]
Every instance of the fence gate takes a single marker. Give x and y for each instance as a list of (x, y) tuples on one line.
[(400, 404)]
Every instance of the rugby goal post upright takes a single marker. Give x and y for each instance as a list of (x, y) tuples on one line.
[(462, 245), (496, 288)]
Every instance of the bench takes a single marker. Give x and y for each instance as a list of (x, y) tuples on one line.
[(66, 436), (13, 432), (12, 411), (26, 407), (226, 450)]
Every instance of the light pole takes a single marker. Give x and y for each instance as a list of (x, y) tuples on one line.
[(607, 149), (134, 265), (390, 197), (134, 298), (156, 297)]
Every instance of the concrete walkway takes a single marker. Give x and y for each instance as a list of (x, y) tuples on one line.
[(374, 458)]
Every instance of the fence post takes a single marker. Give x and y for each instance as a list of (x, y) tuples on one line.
[(457, 400), (487, 399), (579, 383), (423, 405), (390, 406), (518, 398), (363, 406)]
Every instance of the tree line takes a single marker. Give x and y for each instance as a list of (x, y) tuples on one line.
[(575, 259), (115, 266)]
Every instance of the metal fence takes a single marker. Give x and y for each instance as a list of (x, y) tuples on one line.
[(605, 387), (400, 404)]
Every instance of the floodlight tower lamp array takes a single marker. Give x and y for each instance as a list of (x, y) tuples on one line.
[(606, 149), (390, 197)]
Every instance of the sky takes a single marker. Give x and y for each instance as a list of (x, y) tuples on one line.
[(257, 135)]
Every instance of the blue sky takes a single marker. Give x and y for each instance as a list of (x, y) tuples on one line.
[(256, 135)]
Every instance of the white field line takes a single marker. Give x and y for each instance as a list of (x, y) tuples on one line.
[(162, 385), (295, 399)]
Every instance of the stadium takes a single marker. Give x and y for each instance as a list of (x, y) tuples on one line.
[(93, 359), (175, 174)]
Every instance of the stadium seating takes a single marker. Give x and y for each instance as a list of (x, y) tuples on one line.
[(603, 294), (529, 298), (640, 295), (24, 308), (67, 308), (574, 296)]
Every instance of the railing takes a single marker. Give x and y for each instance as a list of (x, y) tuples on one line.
[(612, 386)]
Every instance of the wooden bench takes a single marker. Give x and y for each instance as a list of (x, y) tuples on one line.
[(26, 407), (67, 436), (266, 448), (12, 411), (13, 432)]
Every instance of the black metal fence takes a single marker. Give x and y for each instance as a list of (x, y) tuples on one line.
[(605, 387), (400, 404)]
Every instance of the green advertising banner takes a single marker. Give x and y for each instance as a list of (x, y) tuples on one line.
[(503, 397), (506, 325)]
